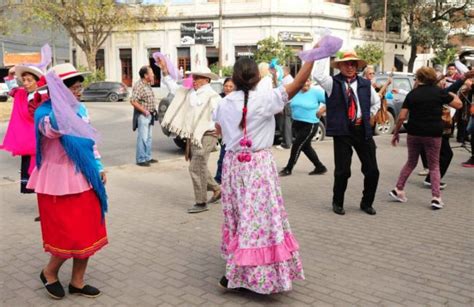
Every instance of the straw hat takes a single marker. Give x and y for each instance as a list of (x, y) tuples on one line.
[(21, 69), (66, 71), (348, 56), (204, 72)]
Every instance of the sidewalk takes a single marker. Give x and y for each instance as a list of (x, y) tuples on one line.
[(406, 255)]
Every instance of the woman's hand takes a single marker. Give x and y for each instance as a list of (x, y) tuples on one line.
[(162, 65), (103, 177), (395, 139)]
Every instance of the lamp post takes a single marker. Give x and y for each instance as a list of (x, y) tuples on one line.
[(221, 54), (384, 34)]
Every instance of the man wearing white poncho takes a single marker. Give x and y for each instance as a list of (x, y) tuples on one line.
[(190, 117)]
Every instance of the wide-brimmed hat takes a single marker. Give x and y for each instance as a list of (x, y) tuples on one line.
[(205, 72), (348, 56), (21, 69), (66, 71)]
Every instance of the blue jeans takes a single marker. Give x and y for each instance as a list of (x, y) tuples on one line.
[(218, 176), (143, 139)]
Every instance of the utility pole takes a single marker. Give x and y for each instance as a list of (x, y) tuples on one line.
[(384, 34), (221, 53)]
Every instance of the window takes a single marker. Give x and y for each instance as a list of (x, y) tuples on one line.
[(184, 59), (212, 55), (100, 59), (154, 67), (402, 83), (295, 64), (126, 66)]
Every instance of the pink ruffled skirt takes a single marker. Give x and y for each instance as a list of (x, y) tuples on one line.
[(257, 243)]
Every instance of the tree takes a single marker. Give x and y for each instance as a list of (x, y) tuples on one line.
[(270, 48), (89, 22), (371, 53), (426, 20), (445, 55)]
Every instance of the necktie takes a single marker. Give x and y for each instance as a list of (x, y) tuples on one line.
[(352, 107)]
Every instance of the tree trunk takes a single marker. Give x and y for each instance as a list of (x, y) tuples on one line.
[(411, 61), (91, 65)]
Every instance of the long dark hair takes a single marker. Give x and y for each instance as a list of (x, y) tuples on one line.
[(245, 77)]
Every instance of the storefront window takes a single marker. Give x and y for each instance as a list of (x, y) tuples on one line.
[(154, 67), (184, 59), (212, 55), (100, 59), (126, 65)]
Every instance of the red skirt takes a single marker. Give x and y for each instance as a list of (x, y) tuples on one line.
[(72, 225)]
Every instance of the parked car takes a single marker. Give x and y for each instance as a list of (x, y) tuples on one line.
[(3, 92), (105, 91), (401, 81)]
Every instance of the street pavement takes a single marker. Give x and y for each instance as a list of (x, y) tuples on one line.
[(158, 255)]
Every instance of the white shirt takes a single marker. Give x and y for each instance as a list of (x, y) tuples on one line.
[(326, 82), (287, 79), (264, 102)]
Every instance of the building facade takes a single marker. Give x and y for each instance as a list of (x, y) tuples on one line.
[(189, 34)]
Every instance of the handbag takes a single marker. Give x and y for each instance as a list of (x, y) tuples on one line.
[(446, 117)]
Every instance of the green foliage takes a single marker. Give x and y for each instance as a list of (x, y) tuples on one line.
[(270, 48), (371, 53), (226, 70), (96, 76), (444, 55), (424, 19), (88, 22)]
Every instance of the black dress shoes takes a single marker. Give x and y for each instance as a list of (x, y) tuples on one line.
[(368, 210), (284, 172), (338, 209)]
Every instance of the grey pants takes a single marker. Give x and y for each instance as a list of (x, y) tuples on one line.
[(202, 179)]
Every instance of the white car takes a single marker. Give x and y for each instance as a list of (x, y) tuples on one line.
[(3, 92)]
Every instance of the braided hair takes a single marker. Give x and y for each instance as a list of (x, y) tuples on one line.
[(246, 76)]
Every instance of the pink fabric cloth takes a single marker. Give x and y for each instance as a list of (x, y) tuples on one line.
[(57, 174), (261, 255), (20, 135)]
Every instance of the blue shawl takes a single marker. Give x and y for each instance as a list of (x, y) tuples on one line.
[(79, 150)]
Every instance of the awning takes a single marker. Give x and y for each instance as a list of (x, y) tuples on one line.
[(401, 58)]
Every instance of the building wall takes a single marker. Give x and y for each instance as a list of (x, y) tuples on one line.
[(240, 28)]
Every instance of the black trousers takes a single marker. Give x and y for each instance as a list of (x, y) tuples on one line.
[(24, 176), (304, 134), (283, 122), (445, 157), (365, 149)]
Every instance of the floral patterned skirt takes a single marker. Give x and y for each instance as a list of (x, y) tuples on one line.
[(257, 242)]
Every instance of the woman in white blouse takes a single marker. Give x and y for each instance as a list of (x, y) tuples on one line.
[(257, 242)]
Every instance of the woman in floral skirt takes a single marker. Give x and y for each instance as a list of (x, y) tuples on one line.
[(257, 242)]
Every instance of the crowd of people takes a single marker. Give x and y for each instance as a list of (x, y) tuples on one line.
[(51, 131)]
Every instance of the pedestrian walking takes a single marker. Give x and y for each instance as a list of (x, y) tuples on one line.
[(283, 119), (69, 182), (190, 117), (144, 115), (350, 102), (306, 108), (424, 129)]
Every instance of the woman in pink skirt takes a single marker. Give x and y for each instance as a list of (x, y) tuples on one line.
[(257, 242)]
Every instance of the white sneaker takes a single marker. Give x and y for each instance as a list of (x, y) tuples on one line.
[(279, 147), (436, 204), (442, 185), (424, 172), (398, 196)]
